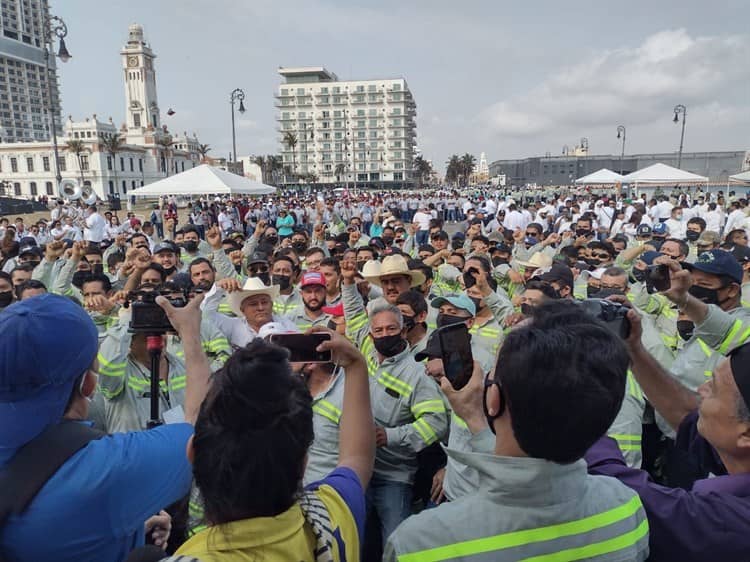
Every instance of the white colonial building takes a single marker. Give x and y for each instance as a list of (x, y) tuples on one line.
[(361, 131), (149, 152)]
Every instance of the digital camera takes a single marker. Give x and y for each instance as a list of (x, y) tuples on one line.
[(613, 314), (147, 317)]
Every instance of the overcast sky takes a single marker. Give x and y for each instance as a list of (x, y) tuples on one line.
[(511, 79)]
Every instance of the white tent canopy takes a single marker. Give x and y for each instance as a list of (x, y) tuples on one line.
[(741, 177), (204, 179), (662, 174), (600, 177)]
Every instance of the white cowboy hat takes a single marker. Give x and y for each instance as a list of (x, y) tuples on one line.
[(539, 259), (394, 265), (253, 286)]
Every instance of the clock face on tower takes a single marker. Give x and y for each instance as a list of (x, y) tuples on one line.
[(132, 61)]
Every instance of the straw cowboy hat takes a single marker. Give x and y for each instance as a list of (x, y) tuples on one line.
[(539, 259), (393, 265), (253, 286)]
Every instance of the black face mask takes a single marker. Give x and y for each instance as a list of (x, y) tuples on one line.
[(34, 263), (97, 268), (6, 297), (409, 323), (283, 281), (191, 246), (388, 240), (79, 277), (527, 309), (685, 329), (692, 236), (639, 275), (708, 296), (273, 240), (591, 291), (448, 320), (265, 277), (170, 270), (499, 261), (299, 247), (389, 346), (583, 232)]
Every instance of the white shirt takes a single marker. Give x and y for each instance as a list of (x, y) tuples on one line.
[(95, 228), (713, 220), (514, 220), (736, 219), (423, 220), (663, 210), (676, 228)]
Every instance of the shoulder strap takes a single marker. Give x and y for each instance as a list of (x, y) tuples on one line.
[(37, 462)]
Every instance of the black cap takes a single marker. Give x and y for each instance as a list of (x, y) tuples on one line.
[(258, 257), (741, 253), (167, 246), (560, 273), (36, 250), (432, 350)]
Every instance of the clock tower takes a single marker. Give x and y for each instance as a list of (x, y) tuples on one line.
[(142, 106)]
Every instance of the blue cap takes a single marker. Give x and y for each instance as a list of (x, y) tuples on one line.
[(660, 228), (47, 342), (649, 257), (459, 301), (717, 262)]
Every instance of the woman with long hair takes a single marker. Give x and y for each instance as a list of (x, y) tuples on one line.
[(249, 454)]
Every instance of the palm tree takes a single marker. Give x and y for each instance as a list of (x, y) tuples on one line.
[(77, 147), (422, 168), (113, 145), (468, 165), (339, 171), (203, 150), (261, 163), (273, 166), (165, 143), (453, 169), (290, 140)]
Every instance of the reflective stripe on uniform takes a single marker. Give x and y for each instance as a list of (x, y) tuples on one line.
[(425, 431), (459, 422), (634, 389), (397, 385), (110, 369), (428, 406), (729, 340), (327, 410), (627, 441), (548, 533)]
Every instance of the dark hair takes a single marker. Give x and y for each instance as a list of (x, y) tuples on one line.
[(543, 287), (414, 299), (421, 266), (314, 250), (28, 267), (251, 436), (426, 248), (30, 284), (100, 278), (547, 413), (114, 258), (331, 262), (137, 235), (536, 226), (190, 228), (198, 261), (158, 269), (7, 277), (699, 221), (684, 247), (285, 257)]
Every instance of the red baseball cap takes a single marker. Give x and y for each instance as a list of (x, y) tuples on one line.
[(312, 278)]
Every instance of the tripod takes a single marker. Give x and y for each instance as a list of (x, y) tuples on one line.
[(154, 345)]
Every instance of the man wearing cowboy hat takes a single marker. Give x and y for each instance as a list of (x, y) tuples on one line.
[(394, 277), (252, 304)]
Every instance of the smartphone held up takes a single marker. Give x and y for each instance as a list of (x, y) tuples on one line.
[(303, 348)]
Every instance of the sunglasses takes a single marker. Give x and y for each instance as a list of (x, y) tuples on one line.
[(258, 269), (601, 256), (533, 234)]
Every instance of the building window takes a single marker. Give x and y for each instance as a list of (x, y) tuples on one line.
[(84, 162), (140, 165), (17, 188), (109, 163), (32, 187), (398, 176), (111, 187), (63, 164), (30, 164), (137, 119), (131, 165), (124, 186), (48, 188), (373, 122), (183, 165), (14, 165), (122, 164), (45, 163), (132, 184)]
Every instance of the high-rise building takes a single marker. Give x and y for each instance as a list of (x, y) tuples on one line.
[(150, 151), (23, 73), (360, 132)]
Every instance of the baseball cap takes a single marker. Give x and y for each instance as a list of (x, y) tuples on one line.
[(34, 393), (560, 273), (312, 278), (649, 257), (643, 230), (717, 262), (459, 301), (36, 250), (258, 257), (741, 253), (661, 229), (166, 247), (27, 241), (335, 310)]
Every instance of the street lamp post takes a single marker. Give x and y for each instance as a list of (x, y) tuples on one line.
[(679, 108), (621, 134), (54, 27), (237, 95)]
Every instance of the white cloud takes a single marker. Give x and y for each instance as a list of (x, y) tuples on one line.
[(638, 86)]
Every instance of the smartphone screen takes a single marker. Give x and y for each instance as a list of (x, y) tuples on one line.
[(302, 347), (455, 346), (657, 278)]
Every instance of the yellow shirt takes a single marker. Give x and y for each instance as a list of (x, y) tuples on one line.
[(286, 537)]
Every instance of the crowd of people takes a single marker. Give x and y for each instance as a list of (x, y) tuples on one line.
[(572, 440)]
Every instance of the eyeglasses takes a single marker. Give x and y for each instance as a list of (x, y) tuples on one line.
[(532, 234), (601, 256), (258, 269)]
